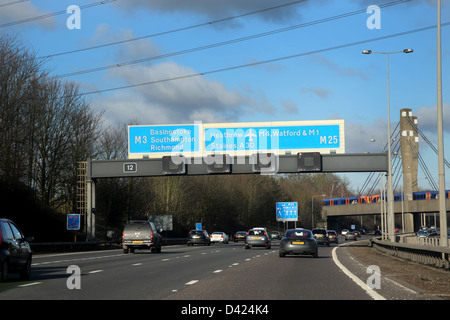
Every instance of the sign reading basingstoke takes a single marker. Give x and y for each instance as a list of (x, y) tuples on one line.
[(287, 211), (237, 138), (160, 140)]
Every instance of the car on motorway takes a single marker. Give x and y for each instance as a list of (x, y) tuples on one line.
[(298, 242), (358, 233), (239, 236), (141, 234), (321, 236), (275, 235), (257, 237), (351, 235), (15, 251), (378, 232), (332, 236), (344, 232), (198, 237), (422, 234), (220, 237)]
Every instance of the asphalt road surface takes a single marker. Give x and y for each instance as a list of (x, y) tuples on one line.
[(199, 273)]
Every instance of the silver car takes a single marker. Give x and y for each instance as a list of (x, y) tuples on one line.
[(299, 242), (257, 237), (141, 234)]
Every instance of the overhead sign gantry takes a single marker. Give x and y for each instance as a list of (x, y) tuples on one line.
[(231, 148)]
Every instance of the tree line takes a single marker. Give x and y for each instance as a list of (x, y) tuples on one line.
[(47, 127)]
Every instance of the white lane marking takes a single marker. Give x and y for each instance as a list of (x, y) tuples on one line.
[(137, 264), (30, 284), (217, 271), (191, 282), (96, 271), (360, 283), (71, 260)]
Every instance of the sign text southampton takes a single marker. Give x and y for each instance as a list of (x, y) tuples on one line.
[(236, 138)]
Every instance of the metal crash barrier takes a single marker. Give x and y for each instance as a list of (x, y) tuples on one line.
[(436, 256)]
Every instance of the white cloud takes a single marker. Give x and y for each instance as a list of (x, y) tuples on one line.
[(217, 9), (18, 13), (195, 98)]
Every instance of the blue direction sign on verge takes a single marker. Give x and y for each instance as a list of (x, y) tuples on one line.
[(287, 211), (73, 222)]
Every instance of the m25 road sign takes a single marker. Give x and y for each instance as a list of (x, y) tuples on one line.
[(286, 137)]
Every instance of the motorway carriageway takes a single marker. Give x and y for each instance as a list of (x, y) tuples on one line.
[(216, 272)]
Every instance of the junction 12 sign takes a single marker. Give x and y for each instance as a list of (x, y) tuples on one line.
[(200, 139)]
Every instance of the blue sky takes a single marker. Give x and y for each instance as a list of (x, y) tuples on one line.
[(324, 82)]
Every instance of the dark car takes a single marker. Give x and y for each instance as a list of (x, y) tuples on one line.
[(298, 242), (198, 237), (351, 235), (141, 234), (239, 236), (275, 235), (257, 237), (15, 251), (321, 236), (332, 236)]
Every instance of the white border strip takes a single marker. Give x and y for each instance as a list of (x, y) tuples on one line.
[(358, 281)]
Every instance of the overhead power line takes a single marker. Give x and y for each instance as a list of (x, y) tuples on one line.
[(53, 14), (174, 30), (11, 3), (223, 43), (257, 63)]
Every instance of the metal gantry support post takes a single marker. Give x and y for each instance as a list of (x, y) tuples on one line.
[(90, 205)]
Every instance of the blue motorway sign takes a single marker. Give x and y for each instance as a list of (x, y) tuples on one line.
[(287, 211), (167, 139), (236, 138), (272, 138), (73, 222)]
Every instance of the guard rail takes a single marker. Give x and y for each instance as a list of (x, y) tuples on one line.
[(438, 256)]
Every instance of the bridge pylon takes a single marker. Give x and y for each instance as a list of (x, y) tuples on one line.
[(409, 144)]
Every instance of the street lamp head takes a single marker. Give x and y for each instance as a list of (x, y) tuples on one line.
[(367, 51), (408, 50)]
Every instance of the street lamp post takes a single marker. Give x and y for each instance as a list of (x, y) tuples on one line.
[(312, 208), (391, 222), (442, 208)]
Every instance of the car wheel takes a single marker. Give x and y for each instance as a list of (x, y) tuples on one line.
[(281, 254), (26, 272), (316, 255), (125, 251)]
